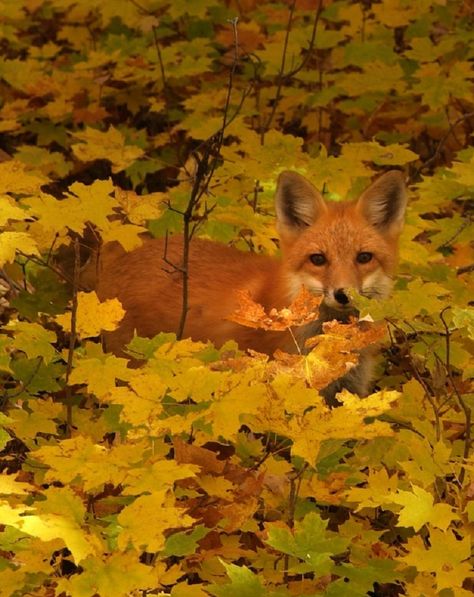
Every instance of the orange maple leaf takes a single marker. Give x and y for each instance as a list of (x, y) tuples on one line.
[(303, 310)]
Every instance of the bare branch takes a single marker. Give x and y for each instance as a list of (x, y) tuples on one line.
[(206, 165), (441, 143), (73, 335)]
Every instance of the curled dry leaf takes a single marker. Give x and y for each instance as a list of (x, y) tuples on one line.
[(303, 310), (357, 334)]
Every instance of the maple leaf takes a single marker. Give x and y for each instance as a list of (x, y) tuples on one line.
[(378, 491), (347, 421), (50, 526), (419, 509), (34, 340), (140, 208), (16, 177), (146, 520), (110, 145), (100, 373), (119, 574), (10, 210), (302, 310), (310, 542), (11, 242), (243, 583), (446, 557), (92, 315)]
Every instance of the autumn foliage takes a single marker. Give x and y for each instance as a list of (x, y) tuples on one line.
[(208, 471)]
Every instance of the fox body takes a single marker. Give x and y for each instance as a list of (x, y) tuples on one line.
[(331, 248)]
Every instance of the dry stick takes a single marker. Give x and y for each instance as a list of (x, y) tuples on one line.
[(441, 144), (202, 180), (447, 367), (73, 335), (281, 74), (467, 411), (295, 486), (465, 269), (44, 263), (276, 101), (22, 387), (460, 230), (311, 42), (429, 392)]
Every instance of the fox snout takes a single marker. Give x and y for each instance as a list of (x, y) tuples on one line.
[(376, 285), (341, 297)]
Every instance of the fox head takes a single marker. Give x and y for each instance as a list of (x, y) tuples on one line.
[(337, 248)]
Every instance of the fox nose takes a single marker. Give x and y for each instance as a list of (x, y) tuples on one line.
[(341, 297)]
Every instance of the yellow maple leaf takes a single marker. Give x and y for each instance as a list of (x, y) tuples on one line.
[(50, 526), (110, 145), (377, 492), (117, 574), (9, 210), (145, 521), (93, 316), (140, 208), (349, 421), (100, 374), (11, 242), (419, 509), (82, 204), (128, 235), (446, 557), (16, 177), (162, 474)]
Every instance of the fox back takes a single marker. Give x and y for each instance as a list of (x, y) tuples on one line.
[(334, 249)]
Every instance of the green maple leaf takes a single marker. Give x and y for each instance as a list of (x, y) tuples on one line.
[(310, 542), (34, 340), (243, 583), (184, 544)]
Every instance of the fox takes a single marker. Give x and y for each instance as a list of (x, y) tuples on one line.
[(334, 249)]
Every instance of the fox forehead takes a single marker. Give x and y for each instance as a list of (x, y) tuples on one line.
[(341, 232)]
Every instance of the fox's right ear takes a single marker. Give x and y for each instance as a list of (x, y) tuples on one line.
[(298, 203), (383, 203)]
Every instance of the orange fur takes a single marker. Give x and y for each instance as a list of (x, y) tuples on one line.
[(151, 291)]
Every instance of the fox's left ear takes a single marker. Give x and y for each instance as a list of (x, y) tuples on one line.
[(384, 202)]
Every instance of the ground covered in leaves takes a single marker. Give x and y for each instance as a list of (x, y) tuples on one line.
[(213, 472)]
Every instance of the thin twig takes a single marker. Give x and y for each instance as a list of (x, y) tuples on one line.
[(23, 385), (40, 261), (282, 76), (465, 269), (276, 101), (441, 143), (429, 392), (204, 172), (73, 335), (447, 243), (465, 408), (311, 42)]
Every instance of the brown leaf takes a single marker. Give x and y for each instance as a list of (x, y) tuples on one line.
[(189, 454)]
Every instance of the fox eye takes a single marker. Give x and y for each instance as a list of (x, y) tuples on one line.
[(318, 258), (364, 257)]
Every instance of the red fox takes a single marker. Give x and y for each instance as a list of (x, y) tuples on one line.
[(331, 248)]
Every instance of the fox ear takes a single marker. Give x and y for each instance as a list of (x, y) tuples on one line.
[(383, 203), (297, 203)]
